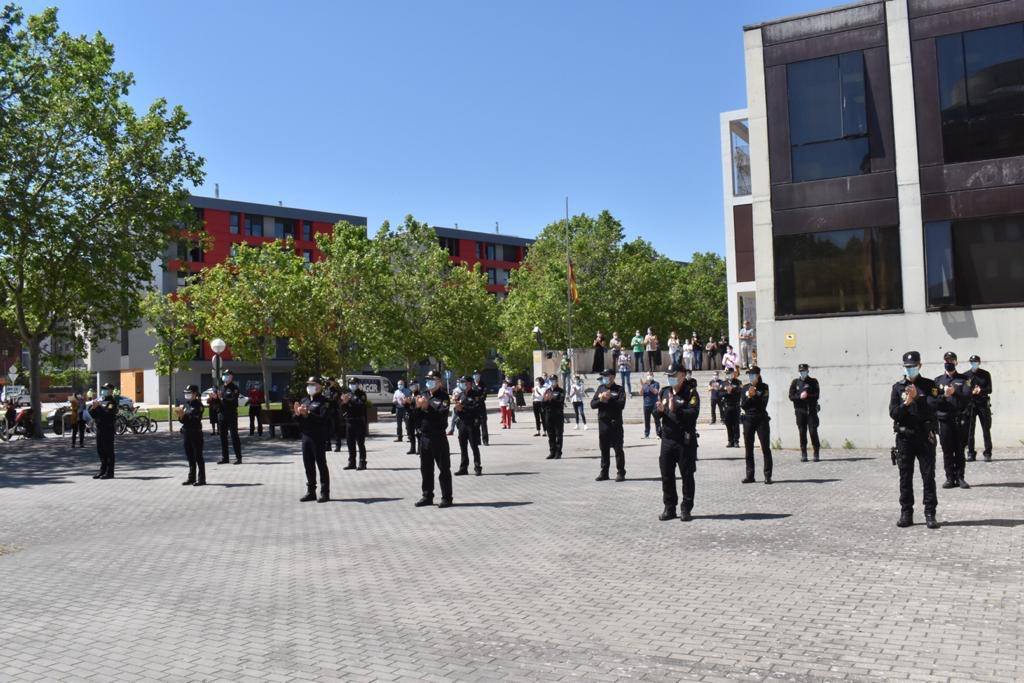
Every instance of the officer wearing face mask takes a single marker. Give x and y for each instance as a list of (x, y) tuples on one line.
[(754, 403), (911, 407), (980, 408), (228, 419), (481, 395), (104, 415), (729, 394), (331, 394), (951, 413), (467, 421), (804, 393), (353, 411), (190, 415), (554, 416), (609, 400), (312, 415), (433, 407), (679, 406)]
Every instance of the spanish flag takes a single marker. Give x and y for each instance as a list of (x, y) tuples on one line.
[(574, 293)]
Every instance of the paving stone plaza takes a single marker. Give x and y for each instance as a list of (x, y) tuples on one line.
[(537, 573)]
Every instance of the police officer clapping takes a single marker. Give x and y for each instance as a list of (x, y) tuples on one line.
[(912, 409), (679, 406), (190, 415), (312, 415)]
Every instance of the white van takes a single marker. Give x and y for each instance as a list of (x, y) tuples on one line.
[(379, 390)]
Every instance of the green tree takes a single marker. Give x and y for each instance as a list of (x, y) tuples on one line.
[(90, 190), (169, 320), (252, 299), (465, 316)]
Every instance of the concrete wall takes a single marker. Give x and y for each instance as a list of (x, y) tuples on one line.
[(857, 358)]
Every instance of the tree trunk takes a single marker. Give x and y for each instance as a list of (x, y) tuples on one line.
[(265, 371), (170, 402), (34, 353)]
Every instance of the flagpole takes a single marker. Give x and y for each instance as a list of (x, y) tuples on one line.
[(568, 289)]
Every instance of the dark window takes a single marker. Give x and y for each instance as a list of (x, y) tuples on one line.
[(195, 252), (489, 252), (124, 341), (307, 255), (978, 262), (981, 93), (181, 250), (284, 227), (233, 223), (479, 250), (200, 216), (281, 348), (492, 276), (307, 230), (254, 225), (828, 121), (841, 271), (449, 244)]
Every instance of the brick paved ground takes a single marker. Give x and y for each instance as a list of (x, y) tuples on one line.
[(538, 573)]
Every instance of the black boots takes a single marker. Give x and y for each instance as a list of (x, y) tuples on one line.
[(188, 482), (767, 480), (684, 514), (621, 476), (949, 484), (425, 501), (963, 483), (350, 466), (803, 456), (362, 465), (478, 471), (602, 477), (461, 472), (310, 495), (325, 495), (445, 503), (906, 519), (929, 521), (669, 513), (747, 480), (817, 456)]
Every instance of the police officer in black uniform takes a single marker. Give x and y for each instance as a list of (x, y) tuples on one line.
[(433, 407), (312, 415), (804, 392), (331, 394), (104, 415), (679, 406), (412, 418), (353, 411), (912, 409), (227, 419), (754, 403), (467, 422), (609, 401), (554, 416), (729, 395), (951, 413), (980, 408), (714, 389), (478, 385), (190, 415)]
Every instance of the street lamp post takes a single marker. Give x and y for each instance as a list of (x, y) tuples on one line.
[(217, 346)]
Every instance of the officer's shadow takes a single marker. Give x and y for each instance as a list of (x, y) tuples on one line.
[(986, 522), (495, 504), (745, 516), (365, 501)]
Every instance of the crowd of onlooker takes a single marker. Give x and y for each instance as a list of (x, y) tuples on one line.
[(647, 353)]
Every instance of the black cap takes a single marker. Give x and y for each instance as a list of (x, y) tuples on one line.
[(313, 380), (911, 358), (674, 368), (475, 372), (191, 387), (608, 373), (107, 385), (949, 357), (802, 367), (463, 379), (553, 378), (974, 359), (433, 374), (754, 370)]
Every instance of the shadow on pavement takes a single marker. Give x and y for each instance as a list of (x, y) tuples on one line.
[(986, 522), (804, 481), (365, 501), (846, 459), (395, 469), (235, 485), (746, 516), (498, 504), (506, 474), (1002, 484)]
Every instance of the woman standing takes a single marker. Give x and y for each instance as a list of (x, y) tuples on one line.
[(538, 405), (518, 392), (577, 395), (624, 372), (505, 402), (598, 366), (653, 351), (698, 352), (674, 348), (688, 355), (616, 346)]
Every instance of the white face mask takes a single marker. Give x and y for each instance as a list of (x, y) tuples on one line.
[(803, 374), (604, 381), (189, 396), (431, 385), (974, 366), (462, 386), (476, 378), (401, 385), (312, 389), (105, 393), (353, 387), (912, 372), (672, 381)]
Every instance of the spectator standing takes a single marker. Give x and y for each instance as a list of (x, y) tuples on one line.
[(730, 360), (77, 420), (519, 392), (723, 344), (255, 410), (577, 396), (711, 354), (505, 402), (747, 340), (616, 346), (651, 391), (538, 405), (674, 347), (624, 372), (598, 366), (653, 350), (688, 355), (638, 351), (214, 404), (399, 400), (714, 387), (698, 352)]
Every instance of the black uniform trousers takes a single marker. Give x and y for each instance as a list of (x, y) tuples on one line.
[(193, 439), (907, 451), (538, 416), (555, 424), (609, 436), (981, 412), (355, 438), (255, 419), (807, 421), (483, 427), (757, 426), (105, 449), (469, 437), (399, 421), (410, 429), (339, 432), (731, 418), (684, 457), (314, 457), (714, 407), (951, 438), (229, 425), (434, 451)]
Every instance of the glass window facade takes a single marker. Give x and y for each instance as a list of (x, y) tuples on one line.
[(254, 225), (839, 271), (233, 223), (978, 262), (307, 230), (981, 93), (284, 228), (828, 119), (739, 144)]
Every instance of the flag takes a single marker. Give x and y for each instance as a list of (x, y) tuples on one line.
[(574, 293)]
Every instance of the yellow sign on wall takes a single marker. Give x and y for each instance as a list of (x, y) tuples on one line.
[(789, 341)]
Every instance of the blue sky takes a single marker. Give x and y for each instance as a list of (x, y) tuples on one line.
[(454, 111)]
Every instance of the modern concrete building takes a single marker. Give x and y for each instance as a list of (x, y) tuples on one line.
[(886, 147)]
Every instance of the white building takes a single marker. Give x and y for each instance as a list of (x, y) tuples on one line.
[(886, 148)]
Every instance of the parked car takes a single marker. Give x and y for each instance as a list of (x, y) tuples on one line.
[(379, 390), (243, 400), (16, 393)]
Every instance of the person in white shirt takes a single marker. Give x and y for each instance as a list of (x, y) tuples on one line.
[(538, 405), (747, 337), (505, 402), (688, 355), (578, 396), (398, 401), (673, 347)]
